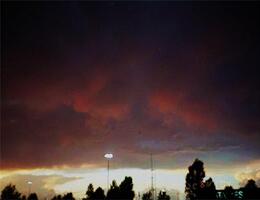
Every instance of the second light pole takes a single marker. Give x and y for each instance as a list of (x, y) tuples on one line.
[(108, 156), (29, 187)]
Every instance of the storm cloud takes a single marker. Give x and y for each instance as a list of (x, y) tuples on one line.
[(177, 80)]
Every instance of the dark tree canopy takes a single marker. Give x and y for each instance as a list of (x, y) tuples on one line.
[(251, 184), (196, 188), (194, 180), (208, 191), (163, 196), (10, 192), (229, 192), (23, 197), (99, 194), (57, 197), (251, 191), (123, 191), (89, 193), (126, 189), (92, 194), (68, 196), (147, 196), (32, 196), (113, 192)]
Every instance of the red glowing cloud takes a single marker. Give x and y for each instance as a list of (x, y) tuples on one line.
[(192, 113)]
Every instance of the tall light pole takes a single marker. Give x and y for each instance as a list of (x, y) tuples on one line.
[(152, 189), (108, 156), (29, 187)]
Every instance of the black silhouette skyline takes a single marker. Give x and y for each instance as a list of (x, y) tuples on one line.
[(196, 189)]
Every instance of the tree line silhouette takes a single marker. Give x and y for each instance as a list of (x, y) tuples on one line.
[(195, 189)]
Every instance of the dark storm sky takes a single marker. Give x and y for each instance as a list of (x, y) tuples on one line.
[(79, 79)]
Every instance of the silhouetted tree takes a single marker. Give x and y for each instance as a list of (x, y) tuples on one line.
[(113, 192), (89, 193), (32, 196), (251, 191), (194, 180), (10, 192), (126, 189), (208, 191), (147, 196), (92, 194), (57, 197), (68, 196), (163, 196), (99, 194), (229, 192)]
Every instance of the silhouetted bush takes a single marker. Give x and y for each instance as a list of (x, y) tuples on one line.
[(208, 190), (163, 196), (89, 193), (68, 196), (126, 189), (113, 192), (98, 194), (10, 192), (147, 196), (57, 197), (251, 191), (123, 191), (229, 192), (32, 196)]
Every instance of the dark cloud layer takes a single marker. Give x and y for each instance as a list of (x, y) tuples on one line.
[(176, 79)]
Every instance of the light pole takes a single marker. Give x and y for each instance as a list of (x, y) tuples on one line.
[(29, 187), (152, 178), (108, 156)]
